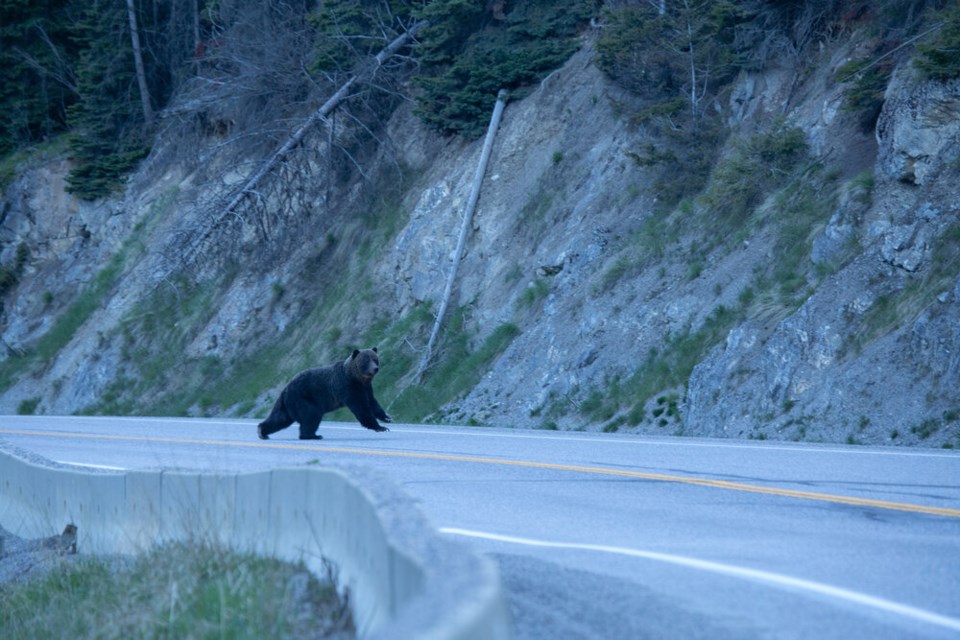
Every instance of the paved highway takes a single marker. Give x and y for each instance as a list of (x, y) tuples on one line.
[(617, 536)]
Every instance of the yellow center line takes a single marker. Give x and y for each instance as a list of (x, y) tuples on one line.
[(639, 475)]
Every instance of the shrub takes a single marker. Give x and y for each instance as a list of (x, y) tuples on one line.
[(940, 59), (28, 407), (754, 167)]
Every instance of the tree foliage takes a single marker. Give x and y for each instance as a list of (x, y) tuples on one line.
[(687, 50), (472, 49), (940, 58), (37, 83), (245, 68), (67, 65), (107, 137)]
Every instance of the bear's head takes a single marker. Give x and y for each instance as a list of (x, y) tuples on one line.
[(364, 364)]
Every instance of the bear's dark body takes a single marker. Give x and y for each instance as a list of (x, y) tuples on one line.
[(315, 392)]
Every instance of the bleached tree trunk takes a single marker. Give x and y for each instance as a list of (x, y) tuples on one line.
[(464, 229), (196, 24), (138, 60), (693, 74)]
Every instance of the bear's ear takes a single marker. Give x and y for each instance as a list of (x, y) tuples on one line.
[(356, 352), (374, 349)]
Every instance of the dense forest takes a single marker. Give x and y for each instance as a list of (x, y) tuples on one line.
[(112, 74)]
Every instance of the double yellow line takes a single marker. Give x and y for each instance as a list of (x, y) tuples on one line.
[(603, 471)]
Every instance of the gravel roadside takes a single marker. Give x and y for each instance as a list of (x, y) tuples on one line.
[(23, 560)]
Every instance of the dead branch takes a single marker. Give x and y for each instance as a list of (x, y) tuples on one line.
[(332, 103)]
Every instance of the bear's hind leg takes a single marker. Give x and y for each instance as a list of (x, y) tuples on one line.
[(308, 430), (268, 426), (278, 419)]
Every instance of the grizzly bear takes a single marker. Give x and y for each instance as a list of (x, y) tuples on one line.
[(315, 392)]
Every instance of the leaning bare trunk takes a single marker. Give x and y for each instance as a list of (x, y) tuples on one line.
[(464, 228)]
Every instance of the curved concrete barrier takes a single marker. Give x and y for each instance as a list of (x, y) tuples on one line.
[(405, 580)]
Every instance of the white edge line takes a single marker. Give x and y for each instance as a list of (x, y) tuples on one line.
[(730, 570), (91, 466)]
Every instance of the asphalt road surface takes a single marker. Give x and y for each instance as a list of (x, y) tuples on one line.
[(607, 536)]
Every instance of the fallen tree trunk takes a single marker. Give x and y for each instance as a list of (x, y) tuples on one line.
[(464, 229)]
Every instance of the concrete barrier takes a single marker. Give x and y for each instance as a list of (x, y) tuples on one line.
[(405, 581)]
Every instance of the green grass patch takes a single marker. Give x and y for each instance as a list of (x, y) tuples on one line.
[(176, 591), (755, 166), (533, 294), (457, 369), (66, 325), (647, 245), (663, 369)]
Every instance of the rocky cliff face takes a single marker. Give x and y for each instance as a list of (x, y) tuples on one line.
[(831, 313), (871, 355)]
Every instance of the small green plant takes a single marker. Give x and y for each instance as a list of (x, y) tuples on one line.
[(28, 407), (668, 406), (862, 187), (535, 210), (622, 266), (557, 157), (537, 291), (611, 427), (868, 81), (926, 428)]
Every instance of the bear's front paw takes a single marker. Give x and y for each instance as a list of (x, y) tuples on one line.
[(386, 418), (380, 428)]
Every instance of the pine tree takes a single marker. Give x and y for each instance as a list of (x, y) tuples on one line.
[(108, 136), (36, 79)]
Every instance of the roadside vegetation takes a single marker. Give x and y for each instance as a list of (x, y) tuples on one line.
[(175, 591)]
